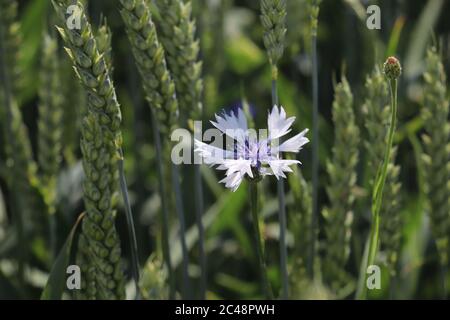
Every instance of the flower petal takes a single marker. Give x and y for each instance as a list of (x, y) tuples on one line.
[(233, 181), (211, 155), (279, 167), (277, 122), (241, 165), (293, 144), (233, 124), (236, 170)]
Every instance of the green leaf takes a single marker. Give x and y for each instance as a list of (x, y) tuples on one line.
[(54, 287), (243, 288), (420, 35), (32, 26), (395, 36), (243, 55)]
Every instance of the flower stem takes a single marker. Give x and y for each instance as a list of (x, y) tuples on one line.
[(258, 238), (130, 224), (201, 234), (164, 211), (281, 209), (315, 158), (377, 195)]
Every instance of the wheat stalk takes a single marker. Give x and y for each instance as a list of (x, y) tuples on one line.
[(273, 20), (314, 8), (50, 128), (177, 34), (74, 96), (103, 37), (159, 90), (99, 253), (342, 174), (153, 281), (22, 169), (50, 116), (150, 59), (436, 159), (12, 41), (177, 29), (300, 215)]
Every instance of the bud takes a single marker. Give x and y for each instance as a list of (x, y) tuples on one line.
[(392, 68)]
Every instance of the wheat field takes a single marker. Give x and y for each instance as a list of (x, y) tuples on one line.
[(224, 149)]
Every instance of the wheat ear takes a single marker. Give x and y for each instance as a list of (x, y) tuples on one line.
[(99, 253), (342, 174)]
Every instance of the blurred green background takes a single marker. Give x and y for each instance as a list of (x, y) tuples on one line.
[(235, 68)]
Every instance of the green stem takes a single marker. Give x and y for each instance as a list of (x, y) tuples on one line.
[(377, 196), (164, 211), (185, 290), (258, 238), (130, 225), (315, 158), (281, 211), (201, 237)]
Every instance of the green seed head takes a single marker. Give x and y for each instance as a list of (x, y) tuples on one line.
[(392, 68)]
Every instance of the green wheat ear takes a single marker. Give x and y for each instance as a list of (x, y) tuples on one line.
[(151, 63), (27, 205), (153, 281), (177, 34), (22, 169), (273, 20), (436, 159), (74, 96), (12, 41), (9, 52), (376, 111), (314, 9), (99, 254), (50, 116), (300, 215), (342, 174), (103, 36)]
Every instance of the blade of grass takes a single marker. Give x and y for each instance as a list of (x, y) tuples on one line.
[(198, 216), (54, 287), (395, 36), (315, 138), (186, 294), (164, 211), (420, 35), (130, 225)]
